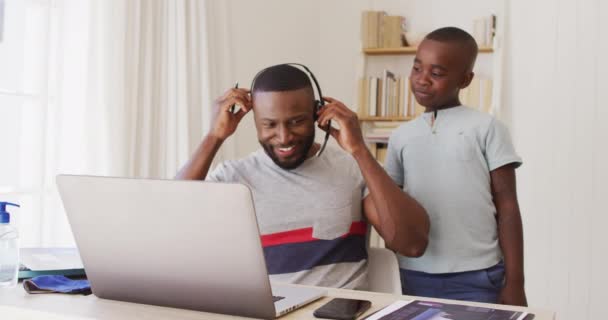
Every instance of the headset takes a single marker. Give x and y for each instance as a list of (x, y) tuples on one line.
[(318, 104)]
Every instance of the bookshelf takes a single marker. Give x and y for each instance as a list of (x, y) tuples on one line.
[(380, 115)]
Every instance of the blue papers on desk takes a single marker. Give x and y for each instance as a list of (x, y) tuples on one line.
[(57, 284)]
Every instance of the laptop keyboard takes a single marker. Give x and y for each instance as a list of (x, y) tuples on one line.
[(277, 298)]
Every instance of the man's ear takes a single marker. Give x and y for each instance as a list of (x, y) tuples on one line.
[(466, 81)]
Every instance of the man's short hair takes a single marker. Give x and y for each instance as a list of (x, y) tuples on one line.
[(281, 77)]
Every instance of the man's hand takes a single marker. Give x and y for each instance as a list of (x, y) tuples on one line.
[(224, 121), (513, 294), (349, 135), (399, 218)]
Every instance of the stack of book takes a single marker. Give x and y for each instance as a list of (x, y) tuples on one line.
[(391, 96), (380, 30), (379, 132), (388, 96), (478, 95)]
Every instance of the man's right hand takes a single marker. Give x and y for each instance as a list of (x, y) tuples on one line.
[(224, 121), (223, 126)]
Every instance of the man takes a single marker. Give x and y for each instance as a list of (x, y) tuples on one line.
[(312, 211)]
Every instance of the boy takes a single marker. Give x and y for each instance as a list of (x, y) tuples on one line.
[(460, 165)]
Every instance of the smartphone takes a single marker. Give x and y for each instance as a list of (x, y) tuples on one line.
[(342, 309)]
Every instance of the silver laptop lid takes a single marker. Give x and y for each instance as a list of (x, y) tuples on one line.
[(184, 244)]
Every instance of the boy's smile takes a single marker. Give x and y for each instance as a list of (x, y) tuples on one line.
[(440, 70)]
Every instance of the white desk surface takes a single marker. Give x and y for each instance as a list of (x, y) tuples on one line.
[(16, 304)]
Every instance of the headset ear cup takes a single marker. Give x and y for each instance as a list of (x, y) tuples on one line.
[(318, 105)]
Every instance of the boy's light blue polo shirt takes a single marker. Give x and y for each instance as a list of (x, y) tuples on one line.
[(446, 168)]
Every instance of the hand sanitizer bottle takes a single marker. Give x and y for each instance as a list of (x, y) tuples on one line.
[(9, 248)]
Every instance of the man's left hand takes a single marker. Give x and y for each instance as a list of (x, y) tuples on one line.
[(349, 135), (513, 294)]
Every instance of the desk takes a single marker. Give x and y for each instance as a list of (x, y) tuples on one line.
[(15, 303)]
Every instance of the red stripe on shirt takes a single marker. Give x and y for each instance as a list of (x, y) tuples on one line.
[(305, 235)]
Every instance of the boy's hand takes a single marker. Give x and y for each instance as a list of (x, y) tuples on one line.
[(513, 294), (349, 135), (224, 121)]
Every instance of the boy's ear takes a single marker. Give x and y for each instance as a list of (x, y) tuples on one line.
[(466, 81)]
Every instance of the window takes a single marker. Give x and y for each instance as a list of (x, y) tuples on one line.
[(26, 50)]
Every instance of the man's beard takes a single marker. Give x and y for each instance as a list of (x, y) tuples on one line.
[(269, 149)]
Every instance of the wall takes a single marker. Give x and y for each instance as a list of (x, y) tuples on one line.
[(259, 34), (555, 86)]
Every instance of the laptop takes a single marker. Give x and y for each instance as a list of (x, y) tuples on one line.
[(183, 244)]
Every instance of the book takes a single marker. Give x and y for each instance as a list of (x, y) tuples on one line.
[(365, 29), (363, 97), (379, 133), (375, 28), (379, 97), (478, 94), (406, 97), (370, 28), (469, 96), (485, 86), (402, 97), (381, 154), (373, 97), (474, 96), (378, 32), (50, 261), (426, 310), (388, 81), (395, 98), (392, 31)]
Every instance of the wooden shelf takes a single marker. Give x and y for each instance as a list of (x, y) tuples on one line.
[(368, 118), (408, 50)]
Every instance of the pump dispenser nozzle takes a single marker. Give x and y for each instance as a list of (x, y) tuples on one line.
[(5, 217)]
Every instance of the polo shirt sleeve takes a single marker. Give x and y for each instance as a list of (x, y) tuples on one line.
[(499, 147), (393, 164), (219, 174)]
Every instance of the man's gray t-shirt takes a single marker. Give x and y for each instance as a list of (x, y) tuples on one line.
[(446, 168), (310, 218)]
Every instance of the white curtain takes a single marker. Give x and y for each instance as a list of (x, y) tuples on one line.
[(126, 94), (149, 81)]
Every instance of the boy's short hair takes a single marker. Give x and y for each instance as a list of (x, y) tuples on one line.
[(456, 35)]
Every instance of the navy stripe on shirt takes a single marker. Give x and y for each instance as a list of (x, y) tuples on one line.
[(294, 257)]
